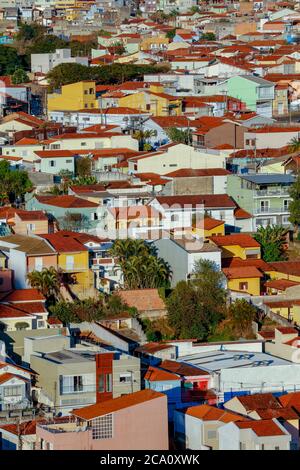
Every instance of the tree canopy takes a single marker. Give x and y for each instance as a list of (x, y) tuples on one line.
[(65, 74), (13, 183), (272, 240), (196, 307), (294, 206), (140, 265)]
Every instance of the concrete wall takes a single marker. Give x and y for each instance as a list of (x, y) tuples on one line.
[(143, 426)]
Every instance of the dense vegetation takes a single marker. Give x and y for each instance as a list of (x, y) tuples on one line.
[(140, 265), (195, 308), (13, 183), (272, 240), (65, 74)]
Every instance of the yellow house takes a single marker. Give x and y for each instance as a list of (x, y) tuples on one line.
[(156, 103), (289, 309), (155, 43), (238, 246), (72, 259), (284, 270), (127, 219), (244, 279), (74, 97)]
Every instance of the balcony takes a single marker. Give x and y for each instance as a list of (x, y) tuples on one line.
[(72, 268), (271, 210), (69, 390), (275, 192)]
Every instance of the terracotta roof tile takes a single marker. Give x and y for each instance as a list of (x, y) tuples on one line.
[(111, 406)]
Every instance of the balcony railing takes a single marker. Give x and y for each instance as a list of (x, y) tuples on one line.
[(68, 390), (74, 267), (271, 192), (271, 210)]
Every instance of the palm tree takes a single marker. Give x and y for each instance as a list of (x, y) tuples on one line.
[(294, 145), (272, 240), (144, 136), (47, 282)]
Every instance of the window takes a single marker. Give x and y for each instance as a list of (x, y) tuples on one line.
[(69, 161), (242, 446), (12, 391), (211, 434), (125, 378), (55, 146), (102, 427), (30, 227), (101, 384), (78, 384), (243, 285), (83, 144), (41, 323), (276, 448), (286, 203), (52, 163), (108, 379), (38, 264)]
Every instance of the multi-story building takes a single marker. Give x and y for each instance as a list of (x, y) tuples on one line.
[(257, 93), (43, 63), (265, 196), (81, 376), (136, 421)]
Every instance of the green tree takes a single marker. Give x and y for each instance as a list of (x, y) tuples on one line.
[(19, 76), (13, 183), (64, 74), (170, 34), (272, 240), (47, 281), (73, 221), (180, 136), (10, 60), (294, 145), (241, 315), (143, 136), (294, 206), (140, 266), (208, 37), (83, 167), (195, 308)]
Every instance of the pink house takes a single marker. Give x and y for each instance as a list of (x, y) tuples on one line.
[(138, 421)]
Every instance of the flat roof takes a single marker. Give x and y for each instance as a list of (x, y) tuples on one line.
[(213, 361), (269, 178)]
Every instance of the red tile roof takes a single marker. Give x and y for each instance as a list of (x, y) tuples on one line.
[(258, 401), (27, 141), (286, 267), (31, 215), (262, 428), (188, 172), (211, 413), (143, 299), (242, 272), (208, 200), (154, 374), (209, 223), (111, 406), (281, 284), (8, 376), (65, 201), (240, 239), (290, 399), (182, 369), (64, 242), (23, 295)]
